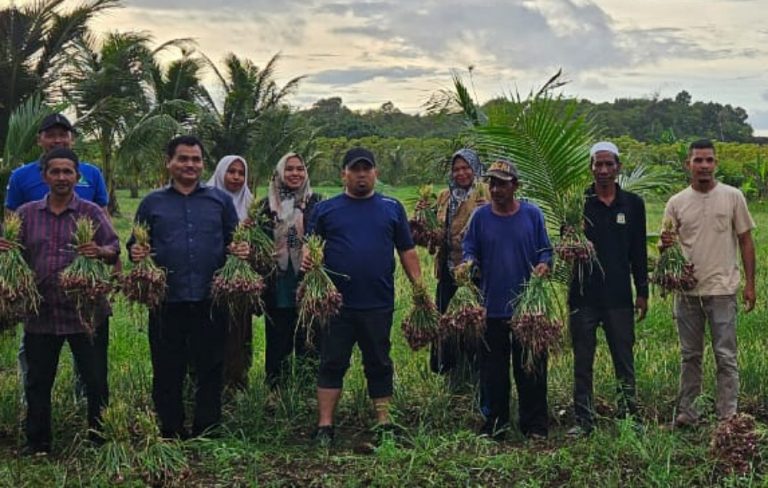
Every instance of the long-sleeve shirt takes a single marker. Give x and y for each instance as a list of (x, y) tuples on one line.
[(189, 235), (618, 234), (49, 248), (506, 249)]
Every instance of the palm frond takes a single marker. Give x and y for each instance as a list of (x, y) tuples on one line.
[(21, 141), (457, 100), (141, 150), (549, 143), (648, 180), (67, 27)]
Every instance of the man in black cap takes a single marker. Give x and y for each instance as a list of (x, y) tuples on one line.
[(362, 230), (26, 184)]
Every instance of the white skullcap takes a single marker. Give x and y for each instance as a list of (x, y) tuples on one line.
[(604, 146)]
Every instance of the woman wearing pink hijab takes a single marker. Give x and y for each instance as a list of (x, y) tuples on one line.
[(286, 211)]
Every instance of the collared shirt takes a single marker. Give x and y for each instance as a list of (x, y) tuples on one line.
[(189, 235), (709, 225), (618, 234), (48, 248), (361, 236), (505, 248), (26, 184)]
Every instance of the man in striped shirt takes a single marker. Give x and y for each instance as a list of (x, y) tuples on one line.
[(46, 236)]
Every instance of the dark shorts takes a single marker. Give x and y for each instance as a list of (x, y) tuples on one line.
[(370, 329)]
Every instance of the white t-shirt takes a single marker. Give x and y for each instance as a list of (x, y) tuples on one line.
[(708, 226)]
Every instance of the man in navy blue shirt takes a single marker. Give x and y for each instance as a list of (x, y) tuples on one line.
[(190, 226), (507, 241), (363, 230), (26, 184)]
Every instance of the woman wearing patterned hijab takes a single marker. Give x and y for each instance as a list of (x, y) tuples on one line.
[(455, 205), (285, 212)]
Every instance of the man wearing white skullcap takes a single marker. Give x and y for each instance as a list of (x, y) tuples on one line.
[(614, 220)]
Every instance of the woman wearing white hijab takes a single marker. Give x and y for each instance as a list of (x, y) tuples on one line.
[(286, 209), (231, 176)]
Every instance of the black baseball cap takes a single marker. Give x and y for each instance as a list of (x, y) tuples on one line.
[(356, 155), (53, 120)]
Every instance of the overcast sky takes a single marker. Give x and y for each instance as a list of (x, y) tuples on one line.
[(370, 52)]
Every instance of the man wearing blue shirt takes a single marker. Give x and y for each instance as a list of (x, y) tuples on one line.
[(507, 241), (26, 184), (190, 226), (363, 230)]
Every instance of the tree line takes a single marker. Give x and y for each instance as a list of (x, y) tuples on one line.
[(127, 104), (643, 119)]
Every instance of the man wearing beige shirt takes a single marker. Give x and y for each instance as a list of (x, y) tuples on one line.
[(711, 221)]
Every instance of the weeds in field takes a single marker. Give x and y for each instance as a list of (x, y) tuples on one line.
[(264, 437)]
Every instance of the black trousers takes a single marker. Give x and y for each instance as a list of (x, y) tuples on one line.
[(282, 339), (238, 355), (370, 329), (495, 381), (619, 326), (42, 353), (179, 332), (449, 353)]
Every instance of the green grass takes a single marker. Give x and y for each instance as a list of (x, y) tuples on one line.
[(265, 439)]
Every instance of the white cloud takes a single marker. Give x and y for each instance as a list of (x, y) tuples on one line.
[(363, 50), (353, 76)]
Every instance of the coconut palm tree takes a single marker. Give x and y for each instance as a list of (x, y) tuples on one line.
[(110, 83), (181, 80), (34, 40), (141, 147), (253, 116)]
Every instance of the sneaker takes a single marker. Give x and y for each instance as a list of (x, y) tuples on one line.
[(323, 435), (578, 431), (684, 421), (36, 450), (535, 436), (493, 430)]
